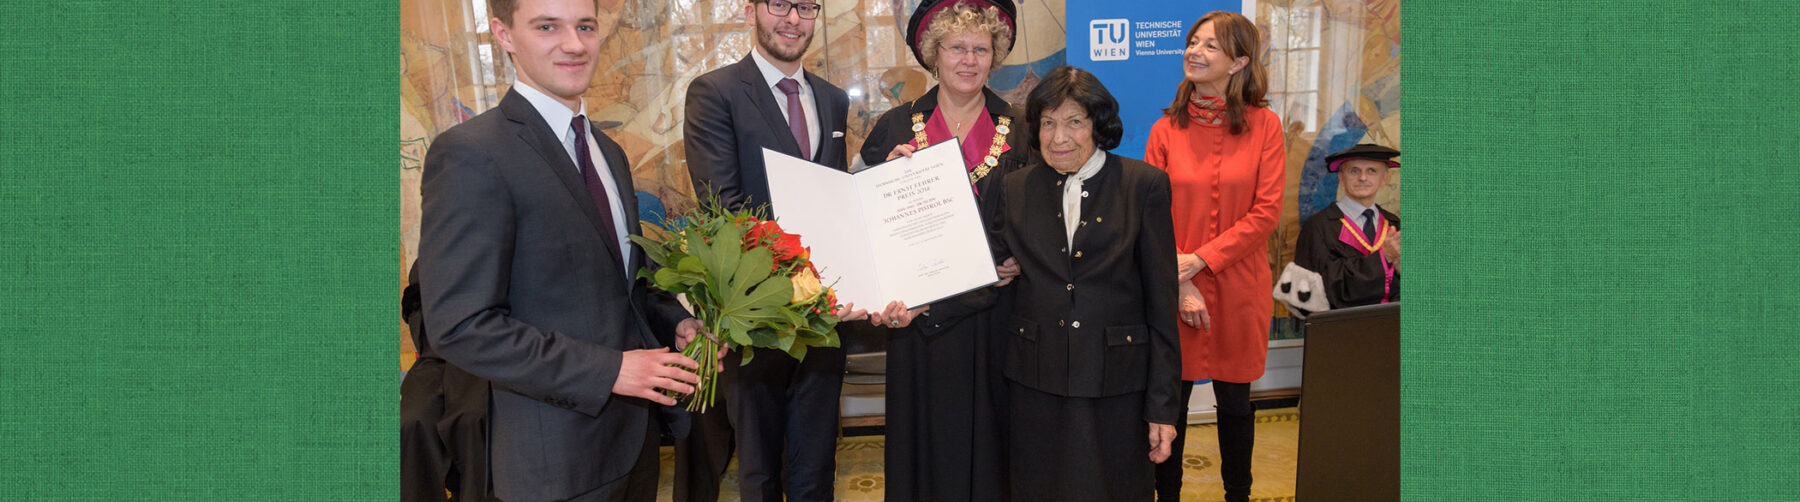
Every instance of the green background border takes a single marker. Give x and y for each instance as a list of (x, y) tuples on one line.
[(199, 251), (1601, 300)]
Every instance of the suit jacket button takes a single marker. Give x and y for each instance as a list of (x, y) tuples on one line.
[(1076, 324), (1077, 254), (1127, 338), (1059, 322), (1070, 287)]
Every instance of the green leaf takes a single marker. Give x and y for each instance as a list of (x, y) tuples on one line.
[(786, 342), (753, 267), (748, 354), (738, 330), (675, 281), (770, 294), (798, 351), (791, 317), (699, 249), (721, 257), (690, 264), (656, 251)]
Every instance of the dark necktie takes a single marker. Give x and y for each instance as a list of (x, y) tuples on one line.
[(796, 116), (1369, 225), (596, 189)]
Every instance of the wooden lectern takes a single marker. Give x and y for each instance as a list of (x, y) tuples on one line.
[(1350, 406)]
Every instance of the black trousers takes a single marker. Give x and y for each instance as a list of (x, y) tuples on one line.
[(785, 415), (1237, 436), (701, 457), (443, 434), (639, 485)]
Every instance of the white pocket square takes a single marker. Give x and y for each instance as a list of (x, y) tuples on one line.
[(837, 134)]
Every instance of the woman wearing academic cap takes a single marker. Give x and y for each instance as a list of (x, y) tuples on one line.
[(944, 387), (1223, 151), (1092, 361)]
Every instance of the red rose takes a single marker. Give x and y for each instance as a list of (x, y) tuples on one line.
[(783, 245)]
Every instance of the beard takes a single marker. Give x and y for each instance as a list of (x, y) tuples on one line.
[(766, 37)]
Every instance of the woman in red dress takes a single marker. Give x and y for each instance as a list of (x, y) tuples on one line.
[(1223, 151)]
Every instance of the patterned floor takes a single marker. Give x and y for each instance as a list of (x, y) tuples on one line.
[(1277, 442)]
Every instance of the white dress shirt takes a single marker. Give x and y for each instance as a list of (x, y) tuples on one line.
[(1354, 210), (772, 76), (558, 116)]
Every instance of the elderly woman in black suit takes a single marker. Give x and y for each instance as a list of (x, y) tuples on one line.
[(1092, 362)]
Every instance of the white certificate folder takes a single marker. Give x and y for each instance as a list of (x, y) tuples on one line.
[(907, 230)]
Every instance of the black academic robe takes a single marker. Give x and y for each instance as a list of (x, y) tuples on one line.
[(945, 388), (1351, 277)]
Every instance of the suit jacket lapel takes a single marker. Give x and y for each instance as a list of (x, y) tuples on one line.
[(1047, 194), (532, 129), (621, 174), (827, 123), (757, 91)]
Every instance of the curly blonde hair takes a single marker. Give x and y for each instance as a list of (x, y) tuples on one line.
[(963, 17)]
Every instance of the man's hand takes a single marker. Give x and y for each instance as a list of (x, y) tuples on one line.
[(896, 315), (1193, 307), (686, 331), (646, 373), (1008, 270), (1161, 438), (1186, 265), (691, 328)]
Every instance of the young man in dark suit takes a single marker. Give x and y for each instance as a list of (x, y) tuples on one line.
[(526, 275), (779, 407)]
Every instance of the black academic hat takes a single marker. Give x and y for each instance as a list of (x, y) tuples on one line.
[(921, 19), (1363, 151)]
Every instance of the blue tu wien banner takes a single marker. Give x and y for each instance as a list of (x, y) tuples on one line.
[(1136, 50)]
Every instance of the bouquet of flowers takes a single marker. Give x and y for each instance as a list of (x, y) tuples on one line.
[(750, 283)]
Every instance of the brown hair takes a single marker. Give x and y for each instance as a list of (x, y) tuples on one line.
[(1238, 37), (504, 9)]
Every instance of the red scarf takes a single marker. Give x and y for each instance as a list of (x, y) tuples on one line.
[(1207, 109)]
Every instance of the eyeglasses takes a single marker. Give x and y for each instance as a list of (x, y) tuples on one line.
[(960, 51), (780, 8)]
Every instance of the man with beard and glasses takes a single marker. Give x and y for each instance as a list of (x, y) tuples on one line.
[(781, 408)]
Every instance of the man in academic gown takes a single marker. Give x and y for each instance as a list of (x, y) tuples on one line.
[(1354, 244)]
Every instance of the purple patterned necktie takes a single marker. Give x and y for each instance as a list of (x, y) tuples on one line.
[(596, 189), (796, 116)]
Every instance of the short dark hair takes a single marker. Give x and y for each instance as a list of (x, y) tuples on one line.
[(504, 9), (1070, 83)]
